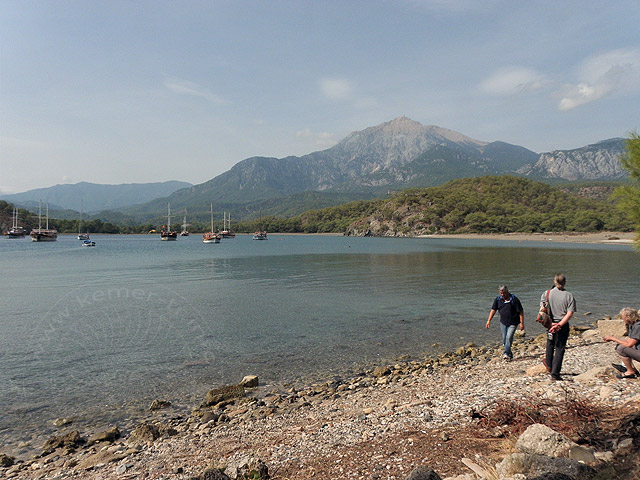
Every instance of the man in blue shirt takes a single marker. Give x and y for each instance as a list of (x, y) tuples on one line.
[(511, 315)]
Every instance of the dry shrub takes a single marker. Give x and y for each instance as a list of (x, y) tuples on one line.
[(575, 417)]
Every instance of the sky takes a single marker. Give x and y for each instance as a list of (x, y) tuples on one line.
[(143, 91)]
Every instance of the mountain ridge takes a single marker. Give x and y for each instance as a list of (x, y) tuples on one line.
[(394, 155)]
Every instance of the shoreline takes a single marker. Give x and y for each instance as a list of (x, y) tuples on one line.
[(311, 430), (625, 238)]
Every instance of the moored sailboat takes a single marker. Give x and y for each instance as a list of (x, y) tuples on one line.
[(226, 226), (43, 234), (260, 234), (184, 232), (16, 231), (82, 236), (212, 236), (166, 233)]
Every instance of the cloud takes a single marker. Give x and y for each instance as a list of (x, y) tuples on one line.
[(617, 71), (322, 139), (451, 6), (513, 81), (336, 88), (185, 87)]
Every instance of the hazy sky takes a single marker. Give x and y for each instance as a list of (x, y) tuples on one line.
[(146, 91)]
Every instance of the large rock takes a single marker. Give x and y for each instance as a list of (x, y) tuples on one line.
[(595, 374), (144, 433), (68, 440), (6, 460), (542, 440), (615, 327), (214, 474), (423, 473), (223, 394), (105, 436), (158, 404), (541, 466), (250, 381)]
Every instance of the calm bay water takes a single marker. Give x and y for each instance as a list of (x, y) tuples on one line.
[(98, 333)]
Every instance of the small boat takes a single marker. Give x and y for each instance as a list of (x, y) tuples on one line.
[(16, 231), (212, 236), (184, 232), (167, 233), (260, 235), (88, 243), (226, 226), (43, 234), (82, 236)]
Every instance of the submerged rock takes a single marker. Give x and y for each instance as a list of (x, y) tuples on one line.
[(222, 394), (159, 405), (68, 440)]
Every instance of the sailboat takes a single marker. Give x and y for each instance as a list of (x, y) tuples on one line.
[(184, 232), (16, 231), (212, 236), (82, 236), (260, 234), (226, 226), (167, 233), (43, 234)]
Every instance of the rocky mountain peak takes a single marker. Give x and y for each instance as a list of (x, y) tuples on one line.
[(400, 141)]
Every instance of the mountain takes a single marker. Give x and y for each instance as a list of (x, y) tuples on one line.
[(94, 197), (373, 162), (599, 161)]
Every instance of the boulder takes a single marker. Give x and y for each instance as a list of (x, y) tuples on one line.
[(250, 381), (105, 436), (537, 369), (423, 473), (591, 335), (582, 455), (101, 457), (223, 394), (542, 440), (6, 460), (214, 474), (615, 327), (144, 433), (68, 440), (381, 371), (592, 376), (159, 404), (543, 467)]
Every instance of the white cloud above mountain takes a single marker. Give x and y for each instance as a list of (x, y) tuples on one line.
[(513, 81), (617, 71), (336, 88), (185, 87)]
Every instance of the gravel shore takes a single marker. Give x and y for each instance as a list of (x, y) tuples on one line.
[(379, 424)]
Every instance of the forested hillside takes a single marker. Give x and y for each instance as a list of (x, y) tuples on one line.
[(491, 204)]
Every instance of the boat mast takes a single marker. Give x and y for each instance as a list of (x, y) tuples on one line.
[(212, 218), (47, 215), (80, 221), (39, 215), (168, 217)]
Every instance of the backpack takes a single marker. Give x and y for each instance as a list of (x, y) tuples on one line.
[(544, 315)]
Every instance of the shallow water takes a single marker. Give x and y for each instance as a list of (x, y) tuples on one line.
[(98, 333)]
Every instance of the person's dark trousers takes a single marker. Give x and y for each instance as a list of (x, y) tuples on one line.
[(555, 350)]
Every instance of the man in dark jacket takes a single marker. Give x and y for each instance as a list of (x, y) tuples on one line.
[(511, 315)]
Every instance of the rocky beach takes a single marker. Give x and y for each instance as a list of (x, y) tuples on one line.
[(463, 415)]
